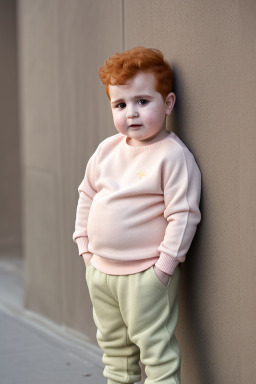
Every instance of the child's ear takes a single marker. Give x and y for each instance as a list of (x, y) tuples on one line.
[(169, 103)]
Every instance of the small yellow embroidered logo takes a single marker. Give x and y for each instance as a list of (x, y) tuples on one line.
[(140, 174)]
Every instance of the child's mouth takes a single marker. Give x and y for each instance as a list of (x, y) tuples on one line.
[(134, 126)]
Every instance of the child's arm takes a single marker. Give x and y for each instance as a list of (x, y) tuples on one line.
[(182, 188), (86, 191)]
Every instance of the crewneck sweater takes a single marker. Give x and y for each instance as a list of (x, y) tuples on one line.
[(138, 206)]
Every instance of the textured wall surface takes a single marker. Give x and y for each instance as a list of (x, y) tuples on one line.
[(65, 114), (247, 190)]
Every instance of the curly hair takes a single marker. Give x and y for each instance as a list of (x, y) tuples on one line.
[(121, 67)]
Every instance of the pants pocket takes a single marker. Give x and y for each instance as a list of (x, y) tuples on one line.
[(157, 281)]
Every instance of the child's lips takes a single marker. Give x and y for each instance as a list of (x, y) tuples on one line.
[(134, 125)]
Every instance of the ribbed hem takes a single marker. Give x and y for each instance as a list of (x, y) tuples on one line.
[(167, 263), (82, 243), (111, 267)]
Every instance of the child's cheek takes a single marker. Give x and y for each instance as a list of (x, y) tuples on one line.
[(152, 120), (155, 119), (118, 121)]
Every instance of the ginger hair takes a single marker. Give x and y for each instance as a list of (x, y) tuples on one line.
[(121, 67)]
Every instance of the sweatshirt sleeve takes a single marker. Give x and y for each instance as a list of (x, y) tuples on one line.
[(86, 191), (182, 189)]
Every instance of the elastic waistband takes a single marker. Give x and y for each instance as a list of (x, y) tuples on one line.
[(122, 267)]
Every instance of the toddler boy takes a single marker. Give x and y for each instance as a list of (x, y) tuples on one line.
[(137, 214)]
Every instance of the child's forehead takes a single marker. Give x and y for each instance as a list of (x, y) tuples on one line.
[(142, 82)]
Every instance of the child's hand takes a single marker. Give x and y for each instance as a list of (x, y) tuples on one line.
[(162, 276), (87, 257)]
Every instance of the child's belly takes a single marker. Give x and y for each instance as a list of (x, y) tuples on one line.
[(120, 227)]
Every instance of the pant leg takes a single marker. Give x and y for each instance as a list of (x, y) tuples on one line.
[(151, 313), (121, 356)]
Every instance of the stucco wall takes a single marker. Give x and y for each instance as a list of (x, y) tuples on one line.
[(65, 114)]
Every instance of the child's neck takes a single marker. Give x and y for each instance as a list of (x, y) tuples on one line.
[(142, 143)]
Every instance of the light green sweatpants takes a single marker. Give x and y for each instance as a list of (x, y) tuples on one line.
[(136, 317)]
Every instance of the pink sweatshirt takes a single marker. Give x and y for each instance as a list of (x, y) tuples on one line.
[(138, 206)]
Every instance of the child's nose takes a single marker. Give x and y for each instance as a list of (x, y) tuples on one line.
[(131, 113)]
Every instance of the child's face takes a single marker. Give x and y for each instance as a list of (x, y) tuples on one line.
[(139, 111)]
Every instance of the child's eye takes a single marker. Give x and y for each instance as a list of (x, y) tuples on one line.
[(142, 102), (121, 105)]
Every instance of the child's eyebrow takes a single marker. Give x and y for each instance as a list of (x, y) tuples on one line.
[(143, 97), (137, 97), (117, 101)]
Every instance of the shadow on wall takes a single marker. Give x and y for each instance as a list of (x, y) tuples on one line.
[(191, 278), (176, 117), (191, 298)]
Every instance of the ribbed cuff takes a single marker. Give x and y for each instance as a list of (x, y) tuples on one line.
[(82, 243), (167, 263)]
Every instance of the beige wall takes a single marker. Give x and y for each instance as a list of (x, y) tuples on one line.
[(65, 114), (247, 190), (10, 220)]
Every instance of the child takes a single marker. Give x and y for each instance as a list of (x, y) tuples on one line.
[(137, 214)]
